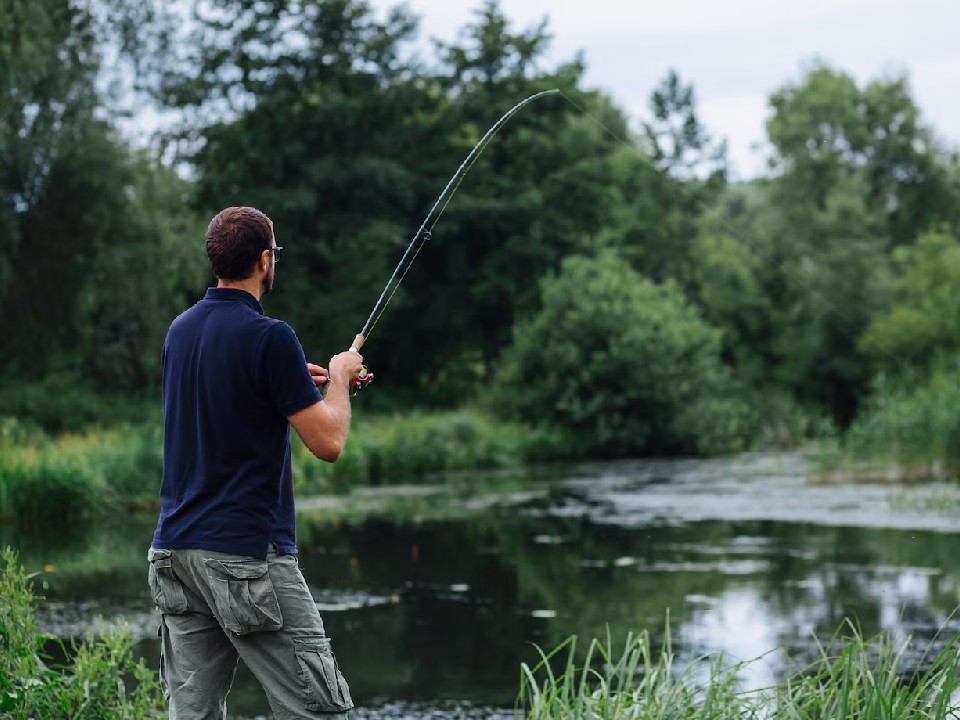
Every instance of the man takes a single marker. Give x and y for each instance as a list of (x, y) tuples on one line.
[(223, 564)]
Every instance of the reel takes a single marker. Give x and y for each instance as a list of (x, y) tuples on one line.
[(364, 379)]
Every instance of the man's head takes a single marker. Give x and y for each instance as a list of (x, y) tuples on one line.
[(240, 244)]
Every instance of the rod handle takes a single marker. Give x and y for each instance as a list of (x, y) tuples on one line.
[(357, 343)]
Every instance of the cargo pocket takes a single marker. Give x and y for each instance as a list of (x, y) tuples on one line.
[(167, 589), (164, 685), (244, 596), (325, 689)]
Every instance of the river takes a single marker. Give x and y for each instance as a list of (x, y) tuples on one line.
[(433, 601)]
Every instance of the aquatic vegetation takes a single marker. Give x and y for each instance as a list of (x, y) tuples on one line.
[(913, 426), (854, 677), (403, 448), (70, 477)]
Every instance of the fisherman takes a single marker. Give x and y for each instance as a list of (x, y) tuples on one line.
[(223, 562)]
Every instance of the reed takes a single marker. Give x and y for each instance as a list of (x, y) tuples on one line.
[(68, 478), (409, 447), (915, 426), (853, 678)]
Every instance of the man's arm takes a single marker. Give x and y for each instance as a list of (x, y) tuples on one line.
[(324, 426)]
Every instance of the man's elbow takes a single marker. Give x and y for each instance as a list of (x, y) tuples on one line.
[(328, 451)]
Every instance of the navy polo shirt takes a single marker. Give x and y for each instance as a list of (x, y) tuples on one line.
[(231, 377)]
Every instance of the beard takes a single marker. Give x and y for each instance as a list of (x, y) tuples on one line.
[(267, 283)]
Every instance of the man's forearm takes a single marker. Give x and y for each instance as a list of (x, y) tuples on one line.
[(324, 426), (337, 399)]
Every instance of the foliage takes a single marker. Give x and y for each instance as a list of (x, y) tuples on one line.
[(628, 366), (826, 128), (913, 423), (395, 449), (323, 114), (854, 678), (924, 318), (679, 143), (68, 402), (100, 680), (93, 265), (74, 478)]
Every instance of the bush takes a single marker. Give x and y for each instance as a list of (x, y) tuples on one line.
[(627, 366), (101, 681), (911, 422), (66, 402)]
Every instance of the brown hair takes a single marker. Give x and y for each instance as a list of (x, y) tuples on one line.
[(236, 237)]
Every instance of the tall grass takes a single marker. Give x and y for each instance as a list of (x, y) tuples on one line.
[(101, 679), (913, 425), (858, 678), (66, 479), (409, 447), (853, 678)]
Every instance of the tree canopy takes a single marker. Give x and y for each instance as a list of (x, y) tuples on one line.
[(331, 118)]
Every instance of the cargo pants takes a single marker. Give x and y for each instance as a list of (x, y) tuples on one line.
[(216, 608)]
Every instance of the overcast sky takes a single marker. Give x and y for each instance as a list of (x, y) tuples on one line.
[(736, 52)]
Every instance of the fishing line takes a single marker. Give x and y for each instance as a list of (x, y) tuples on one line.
[(424, 233)]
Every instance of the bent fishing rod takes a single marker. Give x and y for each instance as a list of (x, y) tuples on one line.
[(424, 233)]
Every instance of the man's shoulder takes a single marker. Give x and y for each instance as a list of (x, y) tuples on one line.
[(279, 332)]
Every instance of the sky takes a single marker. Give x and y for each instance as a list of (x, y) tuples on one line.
[(735, 53)]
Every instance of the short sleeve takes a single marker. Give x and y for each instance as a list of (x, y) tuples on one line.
[(285, 369)]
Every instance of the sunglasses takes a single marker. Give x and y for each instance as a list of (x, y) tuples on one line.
[(277, 253)]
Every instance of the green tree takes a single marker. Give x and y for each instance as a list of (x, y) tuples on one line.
[(826, 127), (536, 194), (91, 263), (665, 180), (823, 280), (678, 141), (727, 283), (924, 317), (628, 365), (856, 173)]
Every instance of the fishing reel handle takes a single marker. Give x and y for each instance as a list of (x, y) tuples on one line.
[(365, 377)]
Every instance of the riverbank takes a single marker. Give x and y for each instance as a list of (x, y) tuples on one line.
[(70, 477)]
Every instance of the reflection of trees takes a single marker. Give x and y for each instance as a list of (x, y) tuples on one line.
[(452, 632), (457, 596), (628, 596), (806, 578), (884, 580), (97, 560)]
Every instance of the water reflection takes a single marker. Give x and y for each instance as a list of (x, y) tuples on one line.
[(432, 618)]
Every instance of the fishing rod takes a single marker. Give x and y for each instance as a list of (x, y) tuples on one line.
[(424, 233)]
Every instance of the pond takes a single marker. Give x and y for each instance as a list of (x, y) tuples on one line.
[(434, 602)]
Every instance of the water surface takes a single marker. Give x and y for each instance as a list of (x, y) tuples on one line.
[(432, 609)]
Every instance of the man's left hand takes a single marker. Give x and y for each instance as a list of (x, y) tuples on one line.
[(320, 375)]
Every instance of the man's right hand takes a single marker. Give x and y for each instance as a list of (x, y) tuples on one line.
[(346, 366), (324, 426)]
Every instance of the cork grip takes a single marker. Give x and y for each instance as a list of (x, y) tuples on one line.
[(357, 343)]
